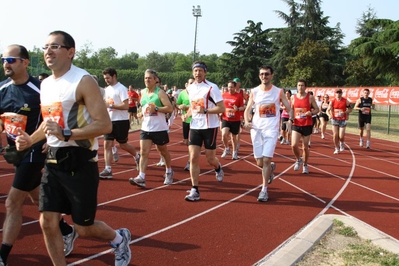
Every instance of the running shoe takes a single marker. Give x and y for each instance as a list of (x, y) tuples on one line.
[(161, 162), (238, 147), (187, 168), (225, 152), (368, 144), (336, 151), (298, 164), (322, 136), (287, 142), (341, 146), (115, 156), (193, 195), (271, 178), (69, 241), (168, 178), (106, 174), (263, 196), (235, 155), (122, 251), (361, 143), (220, 174), (280, 137), (282, 141), (138, 181), (305, 169), (137, 158)]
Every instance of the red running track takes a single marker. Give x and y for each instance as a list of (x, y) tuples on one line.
[(227, 226)]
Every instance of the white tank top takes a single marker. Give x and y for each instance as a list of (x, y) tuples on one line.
[(58, 102), (267, 109)]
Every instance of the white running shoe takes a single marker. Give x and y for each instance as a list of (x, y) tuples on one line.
[(168, 178), (106, 174), (138, 181), (336, 151), (368, 144), (115, 155), (298, 164), (122, 251), (361, 143), (341, 146), (187, 168), (225, 152), (263, 196), (193, 195), (282, 141), (69, 240), (235, 155), (220, 175), (305, 169), (322, 136), (161, 162), (287, 142)]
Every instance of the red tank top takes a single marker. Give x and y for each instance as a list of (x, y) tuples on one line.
[(301, 107)]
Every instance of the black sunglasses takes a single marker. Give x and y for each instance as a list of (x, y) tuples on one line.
[(11, 60)]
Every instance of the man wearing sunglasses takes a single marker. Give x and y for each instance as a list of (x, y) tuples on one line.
[(20, 93)]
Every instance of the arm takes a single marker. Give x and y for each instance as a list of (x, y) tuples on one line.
[(247, 111), (314, 105), (122, 106), (219, 108), (167, 105), (357, 105), (348, 107), (289, 109), (88, 94), (329, 109)]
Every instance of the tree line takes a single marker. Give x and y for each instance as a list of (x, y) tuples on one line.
[(307, 47)]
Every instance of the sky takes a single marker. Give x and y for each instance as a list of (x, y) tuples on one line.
[(162, 26)]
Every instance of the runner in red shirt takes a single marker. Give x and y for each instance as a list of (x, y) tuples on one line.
[(338, 111), (301, 114), (231, 118), (133, 99)]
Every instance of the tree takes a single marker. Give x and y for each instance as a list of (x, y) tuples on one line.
[(308, 64), (252, 48), (380, 52)]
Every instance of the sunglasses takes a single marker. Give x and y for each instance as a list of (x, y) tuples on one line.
[(54, 47), (11, 60)]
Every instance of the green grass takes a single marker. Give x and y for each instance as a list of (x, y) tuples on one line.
[(365, 252), (379, 125)]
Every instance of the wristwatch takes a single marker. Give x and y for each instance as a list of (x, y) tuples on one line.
[(205, 111), (156, 108), (67, 133)]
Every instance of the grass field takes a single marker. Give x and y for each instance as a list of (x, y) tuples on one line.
[(379, 125)]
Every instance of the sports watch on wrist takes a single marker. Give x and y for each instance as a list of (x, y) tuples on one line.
[(156, 108), (67, 133), (205, 111)]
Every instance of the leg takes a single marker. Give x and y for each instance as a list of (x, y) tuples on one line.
[(211, 158), (305, 149), (295, 138), (108, 144), (195, 152), (145, 147), (13, 220), (52, 237), (129, 148), (163, 150)]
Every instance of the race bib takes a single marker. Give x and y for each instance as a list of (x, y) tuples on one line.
[(148, 108), (230, 113), (366, 110), (196, 105), (12, 122), (54, 113), (339, 113), (300, 113), (267, 110)]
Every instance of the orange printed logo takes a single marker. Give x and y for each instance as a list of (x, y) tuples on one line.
[(12, 122), (267, 110), (53, 112)]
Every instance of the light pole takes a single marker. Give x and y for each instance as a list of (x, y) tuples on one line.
[(196, 14)]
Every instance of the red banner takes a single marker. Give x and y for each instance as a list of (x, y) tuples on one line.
[(380, 95)]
